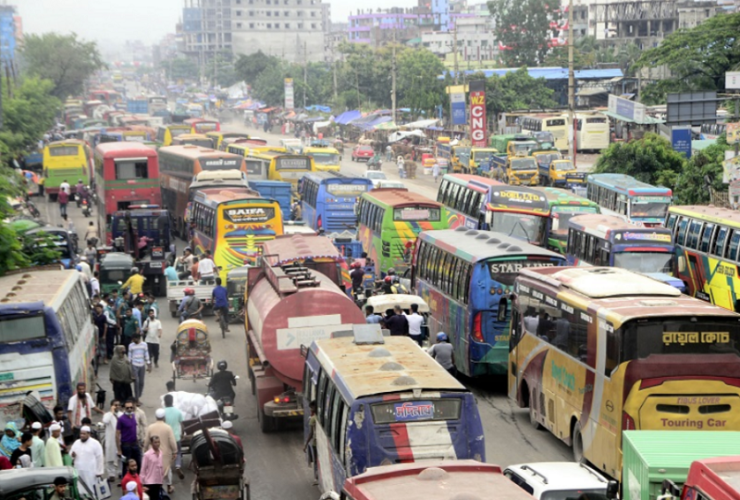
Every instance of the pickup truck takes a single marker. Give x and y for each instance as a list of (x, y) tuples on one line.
[(515, 170), (176, 292)]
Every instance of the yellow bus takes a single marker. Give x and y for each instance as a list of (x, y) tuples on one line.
[(233, 224), (326, 159), (166, 133), (246, 148), (68, 160), (592, 131), (557, 124), (218, 137), (283, 166), (598, 350)]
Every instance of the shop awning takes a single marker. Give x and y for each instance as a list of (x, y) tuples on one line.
[(648, 120), (348, 116), (391, 125)]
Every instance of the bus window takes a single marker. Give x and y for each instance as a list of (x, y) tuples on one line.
[(682, 225), (719, 243), (131, 169), (706, 237), (731, 253)]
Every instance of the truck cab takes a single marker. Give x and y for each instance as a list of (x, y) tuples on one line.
[(481, 160), (560, 480), (522, 170), (520, 146)]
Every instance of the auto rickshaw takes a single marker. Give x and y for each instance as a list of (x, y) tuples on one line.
[(236, 282), (114, 268), (191, 352)]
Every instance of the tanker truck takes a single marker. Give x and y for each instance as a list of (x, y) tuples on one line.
[(288, 307)]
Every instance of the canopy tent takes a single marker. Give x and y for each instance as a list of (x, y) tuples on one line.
[(398, 136), (419, 124), (347, 117), (374, 122), (390, 125)]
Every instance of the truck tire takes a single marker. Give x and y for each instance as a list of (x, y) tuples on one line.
[(267, 424)]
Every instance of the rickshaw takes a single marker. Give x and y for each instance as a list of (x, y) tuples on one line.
[(338, 145), (218, 465), (236, 282), (191, 352)]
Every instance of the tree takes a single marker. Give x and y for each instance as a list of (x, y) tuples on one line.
[(249, 67), (516, 90), (181, 68), (65, 60), (703, 166), (697, 58), (417, 83), (221, 70), (523, 29), (28, 114)]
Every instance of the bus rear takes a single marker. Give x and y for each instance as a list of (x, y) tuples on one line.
[(336, 201), (290, 168), (65, 161), (520, 212), (325, 159)]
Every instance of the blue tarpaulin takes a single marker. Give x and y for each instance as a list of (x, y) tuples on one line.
[(320, 108), (373, 123), (347, 117), (552, 73)]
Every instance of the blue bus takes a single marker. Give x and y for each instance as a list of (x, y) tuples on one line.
[(628, 198), (384, 401), (329, 200), (47, 340), (466, 277)]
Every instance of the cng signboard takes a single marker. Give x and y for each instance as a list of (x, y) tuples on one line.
[(478, 131)]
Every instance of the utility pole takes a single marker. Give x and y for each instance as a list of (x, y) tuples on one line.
[(571, 86), (454, 48), (305, 71), (393, 77)]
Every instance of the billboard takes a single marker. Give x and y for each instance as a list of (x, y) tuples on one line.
[(731, 170), (733, 133), (457, 105), (732, 80), (681, 140), (289, 93), (478, 130)]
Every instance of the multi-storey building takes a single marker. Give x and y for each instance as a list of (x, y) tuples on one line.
[(475, 39), (8, 36)]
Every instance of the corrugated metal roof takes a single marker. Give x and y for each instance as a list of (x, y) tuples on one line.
[(668, 449)]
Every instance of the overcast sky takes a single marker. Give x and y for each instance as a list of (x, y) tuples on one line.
[(145, 20)]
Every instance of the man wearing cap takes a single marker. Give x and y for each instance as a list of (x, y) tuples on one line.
[(130, 492), (110, 420), (38, 449), (87, 455), (86, 268), (53, 448), (60, 489), (229, 427), (167, 444)]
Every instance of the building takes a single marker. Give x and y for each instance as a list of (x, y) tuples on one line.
[(9, 37), (332, 39), (205, 30), (475, 40)]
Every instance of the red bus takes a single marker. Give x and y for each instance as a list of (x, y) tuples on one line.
[(202, 125), (126, 173), (109, 97)]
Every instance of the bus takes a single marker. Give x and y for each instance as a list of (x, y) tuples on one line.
[(592, 132), (108, 97), (288, 167), (557, 124), (217, 136), (598, 350), (412, 409), (605, 240), (563, 205), (199, 140), (233, 223), (329, 200), (466, 277), (707, 241), (325, 158), (389, 220), (47, 339), (258, 168), (480, 203), (178, 167), (69, 160), (712, 131), (626, 197), (166, 133), (253, 146), (202, 125), (157, 103)]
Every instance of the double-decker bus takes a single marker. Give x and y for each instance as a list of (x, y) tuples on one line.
[(592, 131), (707, 241), (480, 203), (202, 125), (556, 124), (389, 220), (233, 223), (626, 197), (127, 173), (166, 133), (466, 277), (47, 340), (562, 206), (329, 200), (178, 166), (598, 350), (69, 160)]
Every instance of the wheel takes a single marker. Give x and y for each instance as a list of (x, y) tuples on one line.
[(577, 443), (267, 424)]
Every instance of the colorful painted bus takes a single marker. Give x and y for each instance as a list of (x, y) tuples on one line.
[(563, 205), (707, 241), (330, 199), (69, 160), (479, 203), (410, 407), (626, 197), (178, 167), (126, 173), (166, 133), (598, 350), (233, 223), (466, 277), (389, 220), (48, 341), (218, 137), (202, 125)]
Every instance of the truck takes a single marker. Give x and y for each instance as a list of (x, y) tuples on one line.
[(715, 478), (457, 156), (176, 292), (137, 106), (277, 190), (513, 143), (288, 307), (481, 159), (556, 170), (515, 170), (651, 457)]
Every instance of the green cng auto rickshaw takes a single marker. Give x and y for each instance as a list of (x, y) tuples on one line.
[(236, 282), (114, 269)]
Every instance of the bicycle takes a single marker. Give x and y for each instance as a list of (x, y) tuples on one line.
[(223, 321)]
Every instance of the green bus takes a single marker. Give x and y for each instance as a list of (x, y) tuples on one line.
[(389, 221), (69, 160), (562, 205)]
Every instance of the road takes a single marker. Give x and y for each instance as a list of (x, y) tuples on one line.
[(276, 467)]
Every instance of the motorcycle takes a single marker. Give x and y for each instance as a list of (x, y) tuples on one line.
[(32, 210), (78, 199), (225, 405), (86, 210)]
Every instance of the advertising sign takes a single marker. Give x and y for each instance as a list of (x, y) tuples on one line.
[(289, 93), (732, 80), (220, 163), (731, 170), (478, 132), (681, 140), (733, 133), (249, 215), (457, 101)]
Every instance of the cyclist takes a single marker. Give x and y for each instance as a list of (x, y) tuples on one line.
[(222, 383), (220, 297)]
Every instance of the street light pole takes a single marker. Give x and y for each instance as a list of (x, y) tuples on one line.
[(571, 86)]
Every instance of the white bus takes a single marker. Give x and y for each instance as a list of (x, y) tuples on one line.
[(592, 132)]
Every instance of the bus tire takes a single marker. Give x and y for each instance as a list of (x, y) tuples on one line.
[(576, 442)]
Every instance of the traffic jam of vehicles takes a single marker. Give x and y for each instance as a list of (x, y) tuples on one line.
[(368, 310)]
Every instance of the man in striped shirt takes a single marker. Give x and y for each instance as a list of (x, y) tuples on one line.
[(138, 356)]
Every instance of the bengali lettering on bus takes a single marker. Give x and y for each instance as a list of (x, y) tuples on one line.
[(684, 338), (413, 410)]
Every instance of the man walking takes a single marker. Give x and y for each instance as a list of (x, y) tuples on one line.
[(220, 297), (87, 455), (53, 447), (138, 356), (38, 448), (80, 406), (63, 199), (152, 330), (436, 171), (174, 418), (167, 444), (127, 441), (130, 328), (110, 420), (415, 320)]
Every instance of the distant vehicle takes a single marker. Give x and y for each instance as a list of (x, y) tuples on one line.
[(195, 139), (329, 200), (68, 160), (376, 177), (166, 133), (325, 158), (202, 126), (562, 206), (362, 152), (386, 184), (292, 145), (592, 132), (36, 483), (626, 197), (560, 480)]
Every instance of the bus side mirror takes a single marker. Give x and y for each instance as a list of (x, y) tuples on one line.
[(612, 489), (681, 264)]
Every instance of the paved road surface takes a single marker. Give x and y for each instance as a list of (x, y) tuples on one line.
[(276, 466)]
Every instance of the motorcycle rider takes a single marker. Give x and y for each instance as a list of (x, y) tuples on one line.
[(79, 189), (222, 383)]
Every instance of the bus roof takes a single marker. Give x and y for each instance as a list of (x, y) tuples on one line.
[(474, 246), (35, 286), (289, 248), (435, 480), (319, 176), (717, 215), (603, 226), (217, 195), (393, 197), (221, 133), (557, 197), (196, 152), (363, 370), (124, 149), (66, 142), (192, 136), (628, 185), (478, 183)]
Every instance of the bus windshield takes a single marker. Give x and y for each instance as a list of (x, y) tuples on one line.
[(481, 156), (546, 158), (462, 153), (668, 336), (645, 262), (564, 166), (649, 208), (523, 164), (523, 226), (178, 131), (325, 158)]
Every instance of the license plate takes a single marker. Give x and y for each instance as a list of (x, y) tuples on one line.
[(155, 265)]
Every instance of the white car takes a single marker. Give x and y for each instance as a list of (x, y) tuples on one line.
[(375, 177), (560, 480)]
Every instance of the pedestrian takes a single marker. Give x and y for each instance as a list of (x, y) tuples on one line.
[(60, 489), (135, 282), (101, 324), (152, 469), (111, 331), (206, 267), (415, 321), (396, 322), (64, 187), (130, 328), (131, 491), (63, 199), (94, 283), (444, 353), (91, 239), (220, 300), (60, 417), (132, 476), (436, 169), (152, 330), (87, 455), (85, 268), (167, 445), (53, 447), (137, 311), (141, 425), (370, 317), (151, 305), (310, 444), (194, 274), (388, 153), (10, 441), (38, 448), (80, 406), (138, 355), (400, 164), (23, 449), (127, 440), (110, 451), (174, 418)]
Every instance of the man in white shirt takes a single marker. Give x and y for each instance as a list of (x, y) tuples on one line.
[(152, 329), (87, 455), (64, 186), (415, 321), (80, 406), (206, 267), (85, 267), (95, 284)]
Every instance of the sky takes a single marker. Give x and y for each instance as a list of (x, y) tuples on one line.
[(145, 20)]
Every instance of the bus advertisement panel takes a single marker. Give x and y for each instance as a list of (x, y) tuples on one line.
[(599, 350), (563, 205), (626, 197), (329, 200), (466, 277), (70, 161)]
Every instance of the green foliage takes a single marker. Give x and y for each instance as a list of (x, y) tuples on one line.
[(417, 85), (249, 67), (65, 60), (11, 247), (221, 71), (524, 27), (703, 165), (516, 90), (28, 114), (697, 58), (588, 52), (181, 68), (39, 249)]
